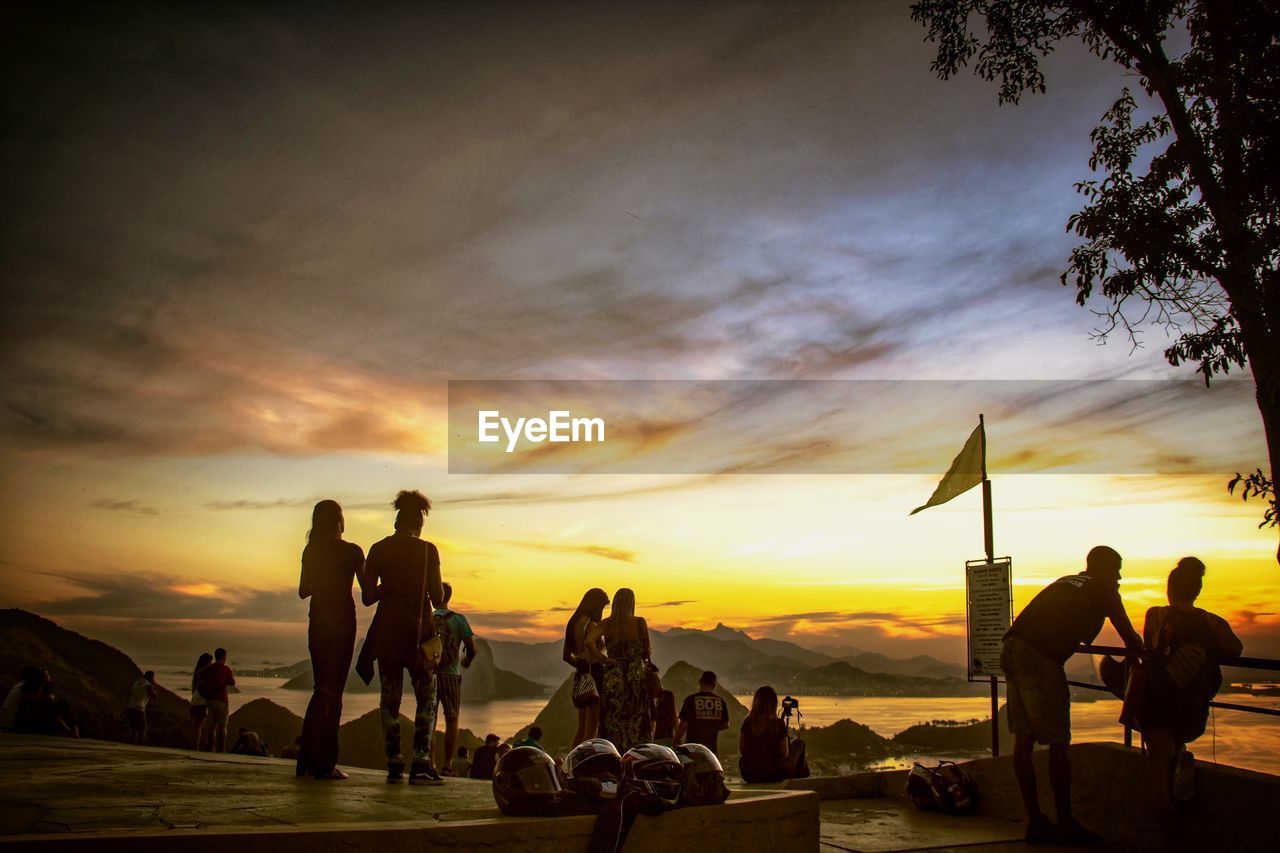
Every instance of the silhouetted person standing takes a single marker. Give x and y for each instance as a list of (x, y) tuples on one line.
[(455, 636), (328, 566), (140, 695), (402, 575), (214, 681), (1185, 647), (1066, 613), (625, 717), (588, 666), (703, 715)]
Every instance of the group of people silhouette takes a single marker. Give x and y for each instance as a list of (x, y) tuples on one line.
[(1175, 674)]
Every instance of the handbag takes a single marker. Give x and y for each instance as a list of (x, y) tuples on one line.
[(431, 647), (584, 690)]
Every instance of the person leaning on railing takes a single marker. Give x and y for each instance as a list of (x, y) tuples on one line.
[(1169, 699), (1066, 613)]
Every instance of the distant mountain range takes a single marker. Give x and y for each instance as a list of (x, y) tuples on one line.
[(743, 663), (95, 679), (483, 681)]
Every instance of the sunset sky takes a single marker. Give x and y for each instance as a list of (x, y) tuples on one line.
[(245, 250)]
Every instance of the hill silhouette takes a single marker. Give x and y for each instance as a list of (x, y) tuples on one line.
[(276, 726), (92, 676), (481, 682), (744, 663)]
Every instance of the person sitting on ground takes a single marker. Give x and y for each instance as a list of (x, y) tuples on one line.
[(485, 759), (248, 743), (461, 765), (533, 738), (142, 692), (44, 713), (703, 715), (28, 685), (1181, 675), (503, 749), (1066, 613), (768, 754), (291, 751)]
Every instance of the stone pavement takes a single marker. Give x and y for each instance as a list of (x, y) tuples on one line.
[(60, 794)]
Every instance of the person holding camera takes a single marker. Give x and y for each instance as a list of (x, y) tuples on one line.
[(768, 753)]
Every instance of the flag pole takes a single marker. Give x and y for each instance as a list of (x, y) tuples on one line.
[(989, 540), (986, 496)]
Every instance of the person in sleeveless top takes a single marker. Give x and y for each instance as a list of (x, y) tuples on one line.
[(1184, 647), (625, 714), (587, 662), (402, 576), (329, 565)]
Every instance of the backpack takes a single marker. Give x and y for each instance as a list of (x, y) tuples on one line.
[(450, 642), (1182, 670), (945, 788), (209, 685)]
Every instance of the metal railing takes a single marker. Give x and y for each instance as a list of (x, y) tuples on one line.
[(1266, 664)]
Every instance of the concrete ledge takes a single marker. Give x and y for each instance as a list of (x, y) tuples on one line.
[(855, 786), (1233, 809), (784, 821), (58, 794)]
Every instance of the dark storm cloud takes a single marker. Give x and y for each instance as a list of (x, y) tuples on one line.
[(220, 209)]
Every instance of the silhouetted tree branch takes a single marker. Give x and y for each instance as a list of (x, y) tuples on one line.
[(1191, 243)]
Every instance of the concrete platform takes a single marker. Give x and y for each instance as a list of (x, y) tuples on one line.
[(1233, 809), (58, 794)]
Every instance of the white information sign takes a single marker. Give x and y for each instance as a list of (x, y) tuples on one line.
[(990, 611)]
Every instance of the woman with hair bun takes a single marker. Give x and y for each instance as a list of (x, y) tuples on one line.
[(1184, 647), (402, 575), (329, 564)]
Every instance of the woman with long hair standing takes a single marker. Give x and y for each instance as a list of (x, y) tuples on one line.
[(402, 576), (767, 752), (329, 564), (199, 710), (586, 662), (1184, 647), (625, 712)]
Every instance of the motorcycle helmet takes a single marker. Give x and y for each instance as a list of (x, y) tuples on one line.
[(653, 770), (593, 769), (525, 783), (702, 780)]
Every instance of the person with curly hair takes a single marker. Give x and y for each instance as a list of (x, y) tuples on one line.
[(402, 576)]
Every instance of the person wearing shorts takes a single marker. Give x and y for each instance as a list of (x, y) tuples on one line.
[(214, 681), (455, 635), (140, 695), (1066, 613)]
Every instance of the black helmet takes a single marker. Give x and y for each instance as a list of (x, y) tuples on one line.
[(593, 768), (525, 783), (702, 783), (654, 770)]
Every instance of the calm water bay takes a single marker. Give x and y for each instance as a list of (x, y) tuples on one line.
[(1233, 737)]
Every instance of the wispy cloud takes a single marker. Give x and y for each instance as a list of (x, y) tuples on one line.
[(620, 554), (130, 506)]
